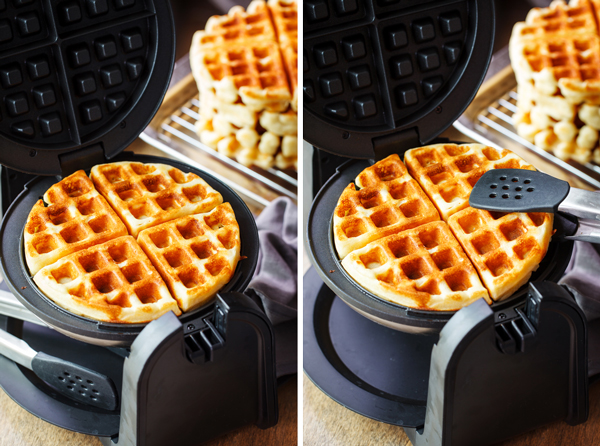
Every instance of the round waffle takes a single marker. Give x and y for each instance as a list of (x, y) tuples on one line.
[(76, 251), (416, 260)]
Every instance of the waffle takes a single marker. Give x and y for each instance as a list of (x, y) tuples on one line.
[(145, 195), (387, 201), (505, 248), (245, 65), (416, 260), (555, 55), (252, 72), (110, 282), (423, 268), (76, 217), (196, 255), (276, 145), (448, 172)]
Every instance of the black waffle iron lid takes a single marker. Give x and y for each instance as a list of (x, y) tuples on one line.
[(79, 75), (382, 76)]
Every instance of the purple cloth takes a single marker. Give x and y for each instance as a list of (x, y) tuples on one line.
[(582, 279), (275, 283)]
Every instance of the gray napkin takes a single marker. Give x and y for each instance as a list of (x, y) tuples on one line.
[(274, 286), (582, 280)]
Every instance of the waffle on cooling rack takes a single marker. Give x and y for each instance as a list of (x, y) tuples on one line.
[(196, 255), (555, 55), (411, 262), (111, 282), (76, 217), (145, 195), (245, 65), (81, 257)]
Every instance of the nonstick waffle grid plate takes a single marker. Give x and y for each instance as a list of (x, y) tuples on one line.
[(67, 67), (488, 120)]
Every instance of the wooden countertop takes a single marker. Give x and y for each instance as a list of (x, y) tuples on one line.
[(19, 428)]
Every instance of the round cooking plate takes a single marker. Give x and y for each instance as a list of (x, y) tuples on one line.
[(325, 259), (18, 279), (75, 74)]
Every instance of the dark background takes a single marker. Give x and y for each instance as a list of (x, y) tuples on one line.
[(191, 15)]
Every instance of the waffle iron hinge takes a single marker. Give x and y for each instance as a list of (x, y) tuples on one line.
[(400, 142), (85, 158)]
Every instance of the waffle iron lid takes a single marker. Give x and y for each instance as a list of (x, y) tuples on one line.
[(79, 75), (382, 76)]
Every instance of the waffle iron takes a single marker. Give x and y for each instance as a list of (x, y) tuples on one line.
[(382, 77), (81, 79)]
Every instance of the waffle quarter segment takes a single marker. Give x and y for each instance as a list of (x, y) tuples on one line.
[(422, 268), (145, 195), (505, 248), (388, 201), (77, 217), (111, 282), (448, 172), (196, 255)]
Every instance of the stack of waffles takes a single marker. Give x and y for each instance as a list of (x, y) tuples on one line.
[(245, 65), (132, 242), (555, 55), (391, 240)]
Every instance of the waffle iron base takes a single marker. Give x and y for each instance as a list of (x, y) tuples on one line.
[(370, 369)]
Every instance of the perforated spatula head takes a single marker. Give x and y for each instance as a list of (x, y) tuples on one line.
[(518, 190)]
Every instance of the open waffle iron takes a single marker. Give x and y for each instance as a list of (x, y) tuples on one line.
[(80, 81), (382, 77)]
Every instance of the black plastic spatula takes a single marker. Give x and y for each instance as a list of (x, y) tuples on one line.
[(517, 190), (74, 381)]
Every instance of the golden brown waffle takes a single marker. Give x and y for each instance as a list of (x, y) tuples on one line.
[(145, 195), (417, 262), (111, 282), (505, 248), (245, 75), (276, 144), (448, 172), (196, 255), (239, 24), (252, 72), (555, 55), (76, 217), (285, 19), (423, 268), (387, 201)]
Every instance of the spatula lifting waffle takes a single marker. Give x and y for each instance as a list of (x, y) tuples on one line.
[(388, 201), (448, 172), (422, 268), (111, 282), (76, 217), (412, 267), (196, 255), (505, 248), (145, 195)]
